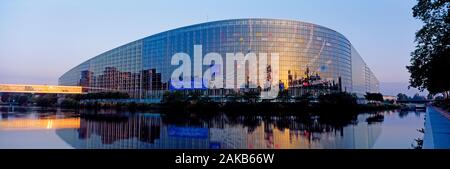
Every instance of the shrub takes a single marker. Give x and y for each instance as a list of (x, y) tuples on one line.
[(337, 100), (69, 103), (46, 100)]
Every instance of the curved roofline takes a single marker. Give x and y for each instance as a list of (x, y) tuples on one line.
[(240, 19), (205, 23)]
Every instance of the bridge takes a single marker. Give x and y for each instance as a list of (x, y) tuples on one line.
[(50, 89)]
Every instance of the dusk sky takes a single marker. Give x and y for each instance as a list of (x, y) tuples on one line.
[(40, 40)]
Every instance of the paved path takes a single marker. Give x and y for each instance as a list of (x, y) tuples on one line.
[(437, 129)]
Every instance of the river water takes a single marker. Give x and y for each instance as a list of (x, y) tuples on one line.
[(82, 129)]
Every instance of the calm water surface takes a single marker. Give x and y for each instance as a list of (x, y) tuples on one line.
[(40, 128)]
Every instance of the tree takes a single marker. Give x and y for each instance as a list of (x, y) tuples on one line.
[(22, 100), (69, 103), (418, 97), (332, 100), (103, 95), (402, 96), (46, 100), (430, 96), (5, 97), (374, 96), (175, 97), (431, 58)]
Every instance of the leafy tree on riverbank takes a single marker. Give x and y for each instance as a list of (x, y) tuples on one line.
[(401, 96), (102, 95), (5, 97), (46, 100), (175, 97), (337, 100), (23, 100), (19, 98), (431, 59), (374, 96), (69, 103)]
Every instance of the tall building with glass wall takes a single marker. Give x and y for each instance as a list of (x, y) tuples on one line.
[(143, 68), (363, 80)]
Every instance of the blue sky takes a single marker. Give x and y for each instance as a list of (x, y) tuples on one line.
[(40, 40)]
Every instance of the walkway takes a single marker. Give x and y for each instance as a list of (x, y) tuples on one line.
[(437, 129)]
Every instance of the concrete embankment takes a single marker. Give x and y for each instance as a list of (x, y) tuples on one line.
[(437, 129)]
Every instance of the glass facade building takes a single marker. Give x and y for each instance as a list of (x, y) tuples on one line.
[(143, 68), (363, 80)]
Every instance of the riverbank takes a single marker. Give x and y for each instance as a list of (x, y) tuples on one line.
[(437, 129), (175, 102), (239, 108)]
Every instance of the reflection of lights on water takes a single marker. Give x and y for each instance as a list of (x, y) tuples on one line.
[(49, 124), (40, 123)]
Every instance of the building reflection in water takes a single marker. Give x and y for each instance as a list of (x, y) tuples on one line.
[(155, 131)]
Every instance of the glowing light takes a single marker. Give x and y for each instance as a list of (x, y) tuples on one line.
[(20, 88), (34, 124), (49, 124)]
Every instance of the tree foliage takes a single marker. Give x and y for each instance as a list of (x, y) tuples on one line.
[(175, 97), (337, 99), (102, 95), (5, 97), (417, 96), (374, 96), (23, 100), (20, 99), (430, 60), (46, 100), (401, 96)]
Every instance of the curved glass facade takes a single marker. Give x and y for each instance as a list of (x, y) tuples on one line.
[(363, 79), (142, 68)]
